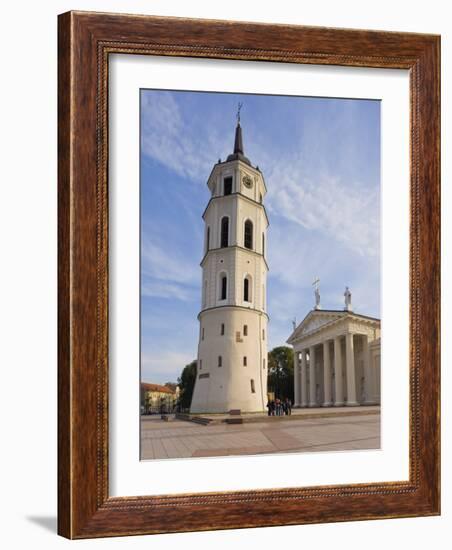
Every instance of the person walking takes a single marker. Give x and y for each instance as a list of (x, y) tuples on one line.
[(288, 406)]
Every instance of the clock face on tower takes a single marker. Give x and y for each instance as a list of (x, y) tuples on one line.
[(247, 182)]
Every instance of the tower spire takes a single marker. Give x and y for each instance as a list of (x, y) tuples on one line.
[(238, 141), (238, 153)]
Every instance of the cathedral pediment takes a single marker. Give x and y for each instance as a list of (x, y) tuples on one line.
[(314, 321), (318, 319)]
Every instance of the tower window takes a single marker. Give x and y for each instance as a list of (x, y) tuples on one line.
[(228, 185), (248, 241), (222, 329), (200, 364), (220, 361), (264, 364), (208, 239), (224, 232), (263, 334), (245, 330), (253, 389), (202, 335), (260, 198), (244, 361), (246, 290), (224, 287), (263, 244)]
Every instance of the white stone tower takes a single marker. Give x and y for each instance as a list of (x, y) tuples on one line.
[(232, 351)]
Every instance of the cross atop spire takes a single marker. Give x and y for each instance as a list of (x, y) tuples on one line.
[(240, 105)]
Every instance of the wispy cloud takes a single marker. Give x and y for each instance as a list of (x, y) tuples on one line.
[(344, 211), (162, 289), (168, 274), (188, 146)]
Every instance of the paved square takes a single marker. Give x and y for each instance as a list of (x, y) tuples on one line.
[(301, 433)]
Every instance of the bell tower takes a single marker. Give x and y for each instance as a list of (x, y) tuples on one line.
[(232, 350)]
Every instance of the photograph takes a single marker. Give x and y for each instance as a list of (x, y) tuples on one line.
[(260, 323)]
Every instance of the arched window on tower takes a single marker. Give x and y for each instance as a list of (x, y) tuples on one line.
[(247, 289), (223, 287), (228, 185), (208, 239), (263, 244), (224, 241), (248, 241)]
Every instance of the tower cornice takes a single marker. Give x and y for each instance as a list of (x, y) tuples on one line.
[(233, 246), (235, 307), (236, 193)]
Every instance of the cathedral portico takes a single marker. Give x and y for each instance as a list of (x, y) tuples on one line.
[(336, 359)]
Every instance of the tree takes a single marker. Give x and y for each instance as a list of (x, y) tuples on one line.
[(280, 372), (186, 383)]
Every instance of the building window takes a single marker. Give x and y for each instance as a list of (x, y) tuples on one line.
[(208, 239), (224, 287), (202, 334), (244, 361), (228, 185), (220, 361), (245, 330), (248, 241), (200, 364), (260, 198), (253, 389), (224, 242), (263, 334), (222, 329), (263, 244), (246, 290), (263, 362)]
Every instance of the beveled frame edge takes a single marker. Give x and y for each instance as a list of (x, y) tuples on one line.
[(85, 41)]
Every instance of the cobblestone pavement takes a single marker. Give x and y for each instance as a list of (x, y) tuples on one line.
[(181, 439)]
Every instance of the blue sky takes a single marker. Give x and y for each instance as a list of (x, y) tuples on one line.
[(321, 161)]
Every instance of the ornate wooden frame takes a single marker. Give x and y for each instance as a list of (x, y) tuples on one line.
[(85, 42)]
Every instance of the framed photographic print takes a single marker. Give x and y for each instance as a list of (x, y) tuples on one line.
[(248, 274)]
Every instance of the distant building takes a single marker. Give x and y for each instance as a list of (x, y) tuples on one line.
[(336, 358), (155, 398)]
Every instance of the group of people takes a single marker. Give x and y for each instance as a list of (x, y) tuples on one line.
[(278, 407)]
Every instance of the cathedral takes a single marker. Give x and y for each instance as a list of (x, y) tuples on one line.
[(336, 357), (232, 350)]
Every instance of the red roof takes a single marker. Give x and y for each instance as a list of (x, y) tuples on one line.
[(156, 387)]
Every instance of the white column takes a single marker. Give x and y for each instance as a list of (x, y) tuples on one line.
[(312, 381), (296, 378), (368, 382), (304, 382), (350, 366), (326, 374), (339, 390)]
